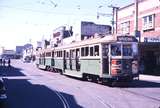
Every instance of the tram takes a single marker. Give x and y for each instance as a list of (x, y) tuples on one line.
[(99, 59)]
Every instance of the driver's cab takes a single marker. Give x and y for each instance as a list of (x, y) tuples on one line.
[(122, 56)]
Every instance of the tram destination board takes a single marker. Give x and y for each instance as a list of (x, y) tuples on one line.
[(126, 39)]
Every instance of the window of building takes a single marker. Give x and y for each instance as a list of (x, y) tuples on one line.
[(148, 22), (125, 27)]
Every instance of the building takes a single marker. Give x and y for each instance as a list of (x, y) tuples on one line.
[(142, 20), (59, 34), (79, 31), (89, 29), (28, 53), (19, 51), (8, 54)]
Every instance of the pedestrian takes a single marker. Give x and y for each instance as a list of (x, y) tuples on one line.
[(0, 61), (3, 62), (9, 62)]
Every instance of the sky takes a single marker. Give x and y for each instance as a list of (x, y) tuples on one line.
[(29, 21)]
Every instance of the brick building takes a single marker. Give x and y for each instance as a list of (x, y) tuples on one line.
[(143, 16)]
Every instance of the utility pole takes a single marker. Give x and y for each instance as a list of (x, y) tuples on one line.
[(114, 18), (137, 32)]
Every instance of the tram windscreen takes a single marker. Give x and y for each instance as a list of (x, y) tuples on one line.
[(116, 49), (127, 50)]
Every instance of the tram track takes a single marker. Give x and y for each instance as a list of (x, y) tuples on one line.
[(63, 99)]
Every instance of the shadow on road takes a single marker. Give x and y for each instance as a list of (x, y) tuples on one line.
[(10, 71), (138, 84), (23, 94)]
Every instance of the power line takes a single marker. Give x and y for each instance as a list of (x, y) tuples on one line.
[(45, 12)]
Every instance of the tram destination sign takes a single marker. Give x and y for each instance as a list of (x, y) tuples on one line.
[(126, 39)]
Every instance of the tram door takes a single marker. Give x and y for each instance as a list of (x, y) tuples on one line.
[(70, 59), (105, 59), (77, 60), (64, 61)]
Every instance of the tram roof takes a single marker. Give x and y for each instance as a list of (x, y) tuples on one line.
[(92, 41)]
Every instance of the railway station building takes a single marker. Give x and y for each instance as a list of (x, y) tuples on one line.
[(142, 19)]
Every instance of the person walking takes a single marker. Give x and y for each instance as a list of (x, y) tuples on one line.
[(3, 61), (9, 62)]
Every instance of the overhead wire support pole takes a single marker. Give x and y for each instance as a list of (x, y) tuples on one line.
[(114, 18)]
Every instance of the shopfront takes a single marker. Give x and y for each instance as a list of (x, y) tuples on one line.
[(150, 57)]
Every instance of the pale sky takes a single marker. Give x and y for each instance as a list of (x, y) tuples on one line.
[(22, 21)]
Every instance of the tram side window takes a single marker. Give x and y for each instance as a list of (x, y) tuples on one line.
[(60, 53), (48, 54), (105, 50), (73, 54), (56, 54), (82, 52), (43, 55), (67, 54), (116, 50), (127, 50), (52, 53), (96, 50), (86, 51), (91, 51)]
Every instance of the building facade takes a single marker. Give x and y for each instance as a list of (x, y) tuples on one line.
[(89, 29), (142, 20), (148, 20)]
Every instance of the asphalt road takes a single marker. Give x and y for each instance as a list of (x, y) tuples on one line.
[(29, 87)]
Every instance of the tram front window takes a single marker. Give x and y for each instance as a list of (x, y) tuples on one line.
[(127, 50), (116, 50)]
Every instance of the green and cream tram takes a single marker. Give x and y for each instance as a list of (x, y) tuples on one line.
[(102, 59)]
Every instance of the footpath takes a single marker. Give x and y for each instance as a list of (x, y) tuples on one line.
[(149, 78)]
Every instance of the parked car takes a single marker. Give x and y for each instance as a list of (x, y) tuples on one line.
[(3, 95)]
